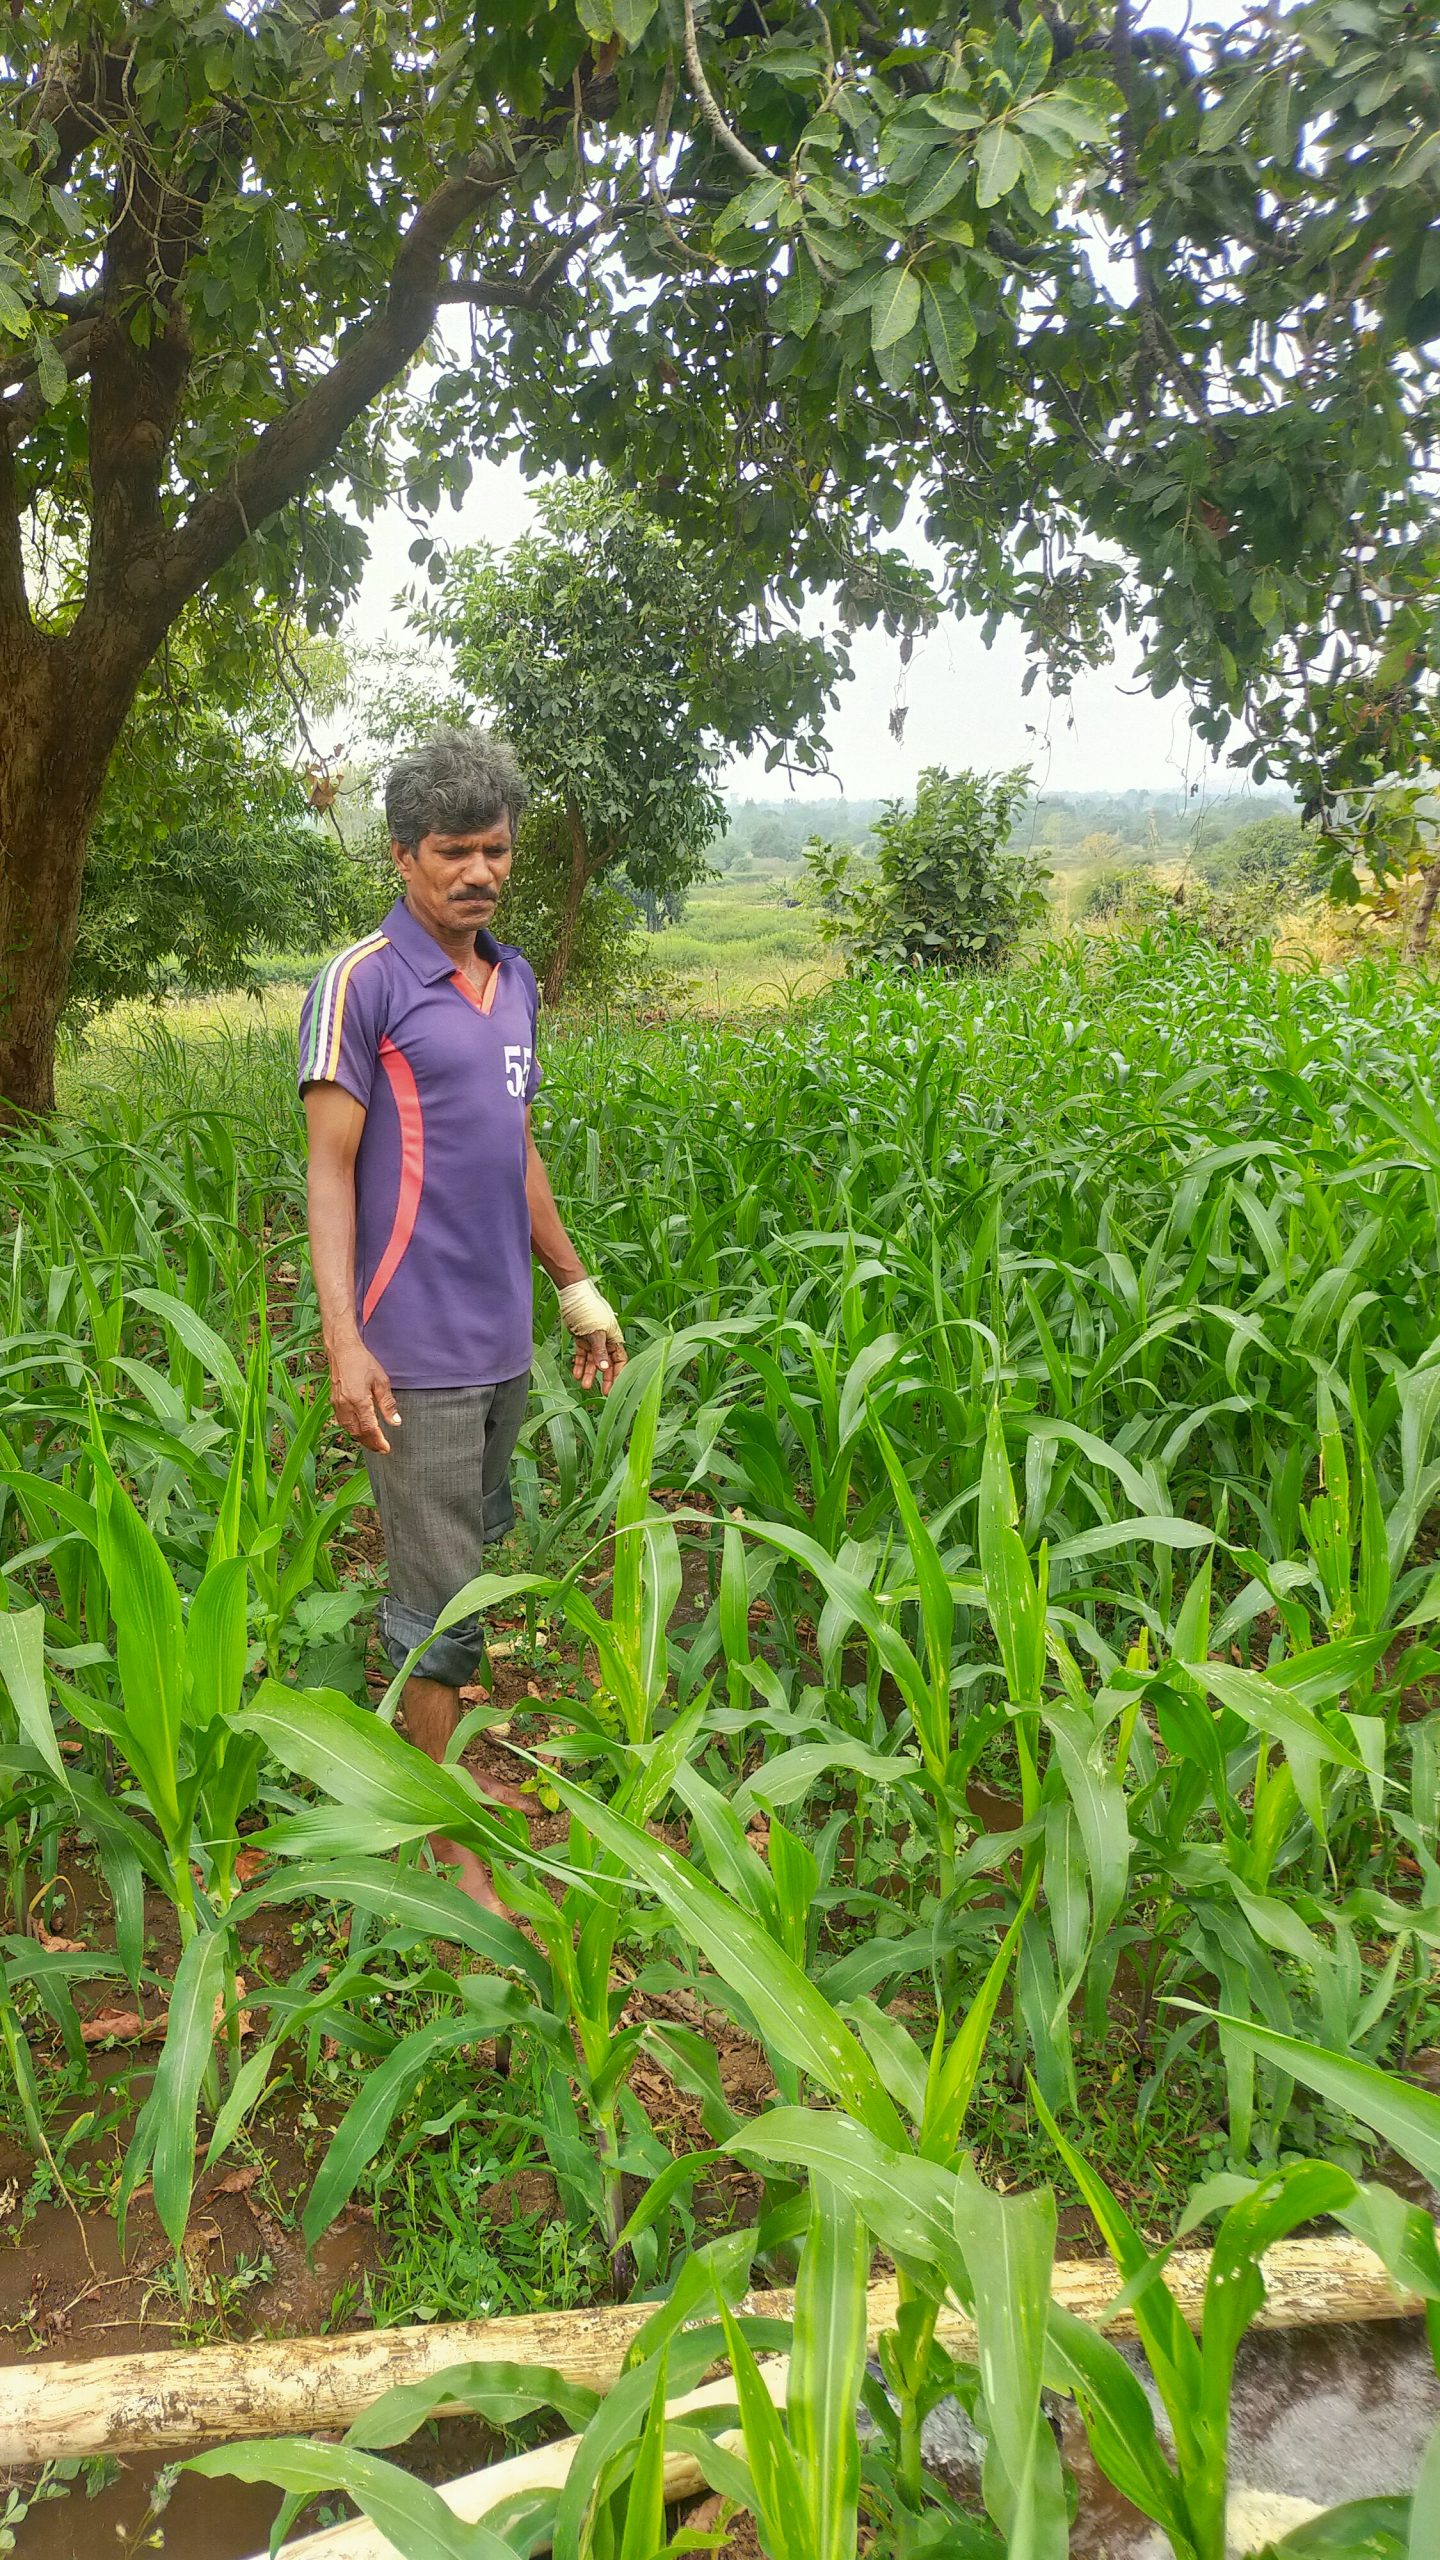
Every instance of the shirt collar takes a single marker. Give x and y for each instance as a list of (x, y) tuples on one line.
[(422, 952)]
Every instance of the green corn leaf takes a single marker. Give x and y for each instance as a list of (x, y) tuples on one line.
[(165, 2130), (1009, 2246), (954, 2068), (1173, 2355), (1425, 2506), (780, 2500), (1363, 2529), (200, 1339), (621, 2414), (504, 2393), (1118, 2420), (149, 1640), (404, 1895), (827, 2362), (1099, 1804), (937, 1607), (1234, 2292), (217, 1643), (907, 2202), (644, 2532), (364, 1764), (1308, 1745), (790, 1776), (1014, 1596), (22, 1668), (368, 2118), (789, 2012), (847, 1594), (413, 2517), (1405, 2117), (894, 2052)]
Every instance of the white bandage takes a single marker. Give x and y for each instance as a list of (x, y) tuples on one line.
[(584, 1311)]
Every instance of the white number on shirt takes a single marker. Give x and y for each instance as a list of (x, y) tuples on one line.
[(517, 1070)]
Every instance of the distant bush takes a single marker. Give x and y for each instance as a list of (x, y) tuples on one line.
[(1242, 910), (1112, 890), (1280, 851), (947, 888)]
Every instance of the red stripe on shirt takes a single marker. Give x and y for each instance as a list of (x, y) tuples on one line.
[(401, 1077)]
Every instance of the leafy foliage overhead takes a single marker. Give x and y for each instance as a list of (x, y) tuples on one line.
[(1145, 326)]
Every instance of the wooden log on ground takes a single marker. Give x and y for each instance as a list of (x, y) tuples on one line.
[(174, 2402)]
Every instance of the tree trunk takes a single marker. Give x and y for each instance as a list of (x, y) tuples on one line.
[(563, 953), (1430, 891), (61, 711)]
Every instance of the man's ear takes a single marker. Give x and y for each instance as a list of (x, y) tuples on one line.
[(401, 856)]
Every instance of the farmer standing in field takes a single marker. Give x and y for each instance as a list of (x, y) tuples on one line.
[(427, 1200)]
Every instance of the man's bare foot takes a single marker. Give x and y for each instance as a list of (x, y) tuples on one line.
[(504, 1791), (472, 1876)]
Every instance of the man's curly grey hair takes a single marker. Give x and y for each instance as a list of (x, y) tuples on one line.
[(458, 782)]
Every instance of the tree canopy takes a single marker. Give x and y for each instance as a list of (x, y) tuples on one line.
[(601, 646), (1144, 327)]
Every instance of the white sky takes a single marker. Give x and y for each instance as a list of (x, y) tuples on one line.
[(964, 704)]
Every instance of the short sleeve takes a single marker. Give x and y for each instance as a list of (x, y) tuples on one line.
[(342, 1021), (533, 1076)]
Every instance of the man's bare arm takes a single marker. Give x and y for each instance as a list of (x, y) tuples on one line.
[(597, 1355), (359, 1387)]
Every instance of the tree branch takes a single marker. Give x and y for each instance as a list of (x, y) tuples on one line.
[(14, 600), (71, 345), (277, 465), (525, 293), (709, 105), (1156, 336), (77, 100)]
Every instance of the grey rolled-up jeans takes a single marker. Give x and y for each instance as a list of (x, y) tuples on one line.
[(443, 1495)]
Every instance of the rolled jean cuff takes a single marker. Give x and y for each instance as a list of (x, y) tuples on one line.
[(453, 1657)]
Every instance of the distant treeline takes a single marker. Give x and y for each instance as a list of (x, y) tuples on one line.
[(1077, 829)]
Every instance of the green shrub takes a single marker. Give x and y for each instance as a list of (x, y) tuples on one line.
[(947, 889)]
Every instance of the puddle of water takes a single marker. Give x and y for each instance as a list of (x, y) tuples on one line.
[(205, 2520), (1319, 2414)]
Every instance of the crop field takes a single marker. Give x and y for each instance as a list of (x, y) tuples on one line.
[(975, 1688), (739, 942)]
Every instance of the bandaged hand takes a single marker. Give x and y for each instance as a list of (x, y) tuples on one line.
[(599, 1343)]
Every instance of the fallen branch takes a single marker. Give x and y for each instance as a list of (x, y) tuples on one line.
[(171, 2402)]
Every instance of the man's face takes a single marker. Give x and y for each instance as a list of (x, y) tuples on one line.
[(452, 883)]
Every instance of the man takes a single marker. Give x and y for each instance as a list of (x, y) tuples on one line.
[(427, 1200)]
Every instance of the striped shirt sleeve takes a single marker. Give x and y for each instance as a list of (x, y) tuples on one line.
[(341, 1021)]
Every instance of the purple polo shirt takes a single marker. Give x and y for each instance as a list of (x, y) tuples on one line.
[(443, 1288)]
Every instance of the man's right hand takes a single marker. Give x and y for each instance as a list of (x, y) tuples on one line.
[(362, 1396)]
